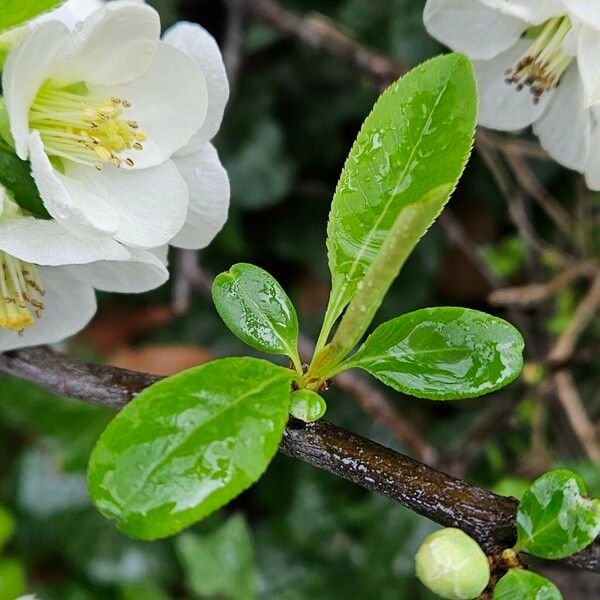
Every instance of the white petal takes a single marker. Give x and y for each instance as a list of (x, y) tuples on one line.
[(72, 12), (143, 272), (69, 305), (501, 106), (115, 45), (208, 185), (47, 243), (67, 199), (564, 129), (151, 204), (200, 45), (588, 53), (469, 26), (592, 168), (169, 102), (534, 12), (588, 11), (27, 67)]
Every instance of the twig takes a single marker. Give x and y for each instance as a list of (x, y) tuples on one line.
[(536, 293), (232, 46), (588, 308), (574, 410), (488, 518)]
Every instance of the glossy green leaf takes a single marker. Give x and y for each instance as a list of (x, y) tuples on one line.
[(307, 405), (555, 519), (518, 584), (187, 445), (442, 353), (17, 12), (257, 310), (400, 173), (220, 564), (15, 175)]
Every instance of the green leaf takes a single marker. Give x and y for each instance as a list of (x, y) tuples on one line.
[(220, 564), (15, 175), (555, 519), (7, 526), (17, 12), (187, 445), (400, 173), (12, 579), (307, 405), (442, 353), (518, 584), (257, 310)]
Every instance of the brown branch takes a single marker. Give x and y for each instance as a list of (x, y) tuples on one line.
[(488, 518)]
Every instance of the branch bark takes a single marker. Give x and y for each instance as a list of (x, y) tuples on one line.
[(488, 518)]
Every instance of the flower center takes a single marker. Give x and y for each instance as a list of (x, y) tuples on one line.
[(84, 129), (542, 66), (20, 293)]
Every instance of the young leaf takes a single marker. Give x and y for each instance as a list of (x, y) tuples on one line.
[(525, 585), (400, 173), (187, 445), (15, 175), (442, 353), (307, 405), (555, 519), (257, 310), (17, 12)]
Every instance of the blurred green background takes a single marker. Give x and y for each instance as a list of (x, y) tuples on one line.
[(299, 533)]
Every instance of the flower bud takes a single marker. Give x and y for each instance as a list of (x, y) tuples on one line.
[(307, 405), (452, 565)]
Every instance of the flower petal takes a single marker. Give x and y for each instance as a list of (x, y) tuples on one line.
[(115, 45), (72, 12), (588, 51), (501, 106), (197, 43), (534, 12), (592, 168), (27, 67), (142, 272), (588, 11), (169, 102), (67, 199), (69, 306), (151, 204), (47, 243), (565, 128), (471, 27), (208, 186)]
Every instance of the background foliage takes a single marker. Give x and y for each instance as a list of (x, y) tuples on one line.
[(299, 533)]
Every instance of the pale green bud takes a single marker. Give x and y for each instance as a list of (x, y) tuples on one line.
[(307, 405), (452, 565)]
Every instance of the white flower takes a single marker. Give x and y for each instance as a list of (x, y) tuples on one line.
[(536, 63), (116, 124), (48, 276)]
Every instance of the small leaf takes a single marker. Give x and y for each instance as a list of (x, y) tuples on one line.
[(17, 12), (15, 175), (12, 579), (257, 310), (307, 405), (221, 564), (518, 584), (413, 146), (442, 353), (555, 519), (187, 445), (7, 526)]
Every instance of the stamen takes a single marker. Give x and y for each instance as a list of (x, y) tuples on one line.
[(85, 129), (544, 63), (21, 294)]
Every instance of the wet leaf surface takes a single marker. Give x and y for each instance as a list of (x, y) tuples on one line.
[(189, 444), (555, 518), (518, 584), (443, 353), (307, 405), (257, 309)]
